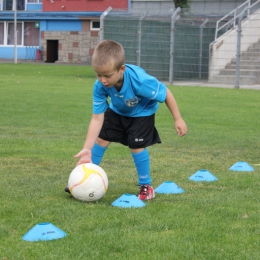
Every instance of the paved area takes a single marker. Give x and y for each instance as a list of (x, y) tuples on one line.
[(175, 83), (206, 84)]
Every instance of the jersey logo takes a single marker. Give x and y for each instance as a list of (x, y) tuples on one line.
[(131, 102), (120, 96)]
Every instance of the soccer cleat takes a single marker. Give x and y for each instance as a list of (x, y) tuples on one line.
[(146, 192), (67, 189)]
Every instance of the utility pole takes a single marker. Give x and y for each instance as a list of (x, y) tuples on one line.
[(15, 31)]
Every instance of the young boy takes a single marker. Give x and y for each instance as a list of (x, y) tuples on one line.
[(129, 118)]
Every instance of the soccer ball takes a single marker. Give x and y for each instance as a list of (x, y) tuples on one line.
[(88, 182)]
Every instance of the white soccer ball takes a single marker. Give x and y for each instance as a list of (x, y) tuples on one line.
[(88, 182)]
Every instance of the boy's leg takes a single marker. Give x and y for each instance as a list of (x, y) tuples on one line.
[(142, 163), (142, 133), (99, 150)]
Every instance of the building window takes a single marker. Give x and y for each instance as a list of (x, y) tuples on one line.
[(95, 25), (2, 33), (10, 33), (8, 5), (20, 4), (34, 1), (31, 34), (27, 33)]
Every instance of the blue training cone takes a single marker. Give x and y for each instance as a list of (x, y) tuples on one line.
[(241, 167), (128, 201), (203, 175), (169, 187), (43, 232)]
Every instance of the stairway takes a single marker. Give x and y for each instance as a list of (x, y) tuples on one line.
[(249, 68)]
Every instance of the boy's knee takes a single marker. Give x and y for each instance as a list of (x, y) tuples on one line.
[(102, 142)]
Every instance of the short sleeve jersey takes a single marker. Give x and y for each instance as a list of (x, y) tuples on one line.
[(139, 95)]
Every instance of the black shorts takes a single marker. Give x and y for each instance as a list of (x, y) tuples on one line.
[(135, 132)]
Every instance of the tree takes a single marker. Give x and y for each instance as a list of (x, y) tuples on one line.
[(182, 3)]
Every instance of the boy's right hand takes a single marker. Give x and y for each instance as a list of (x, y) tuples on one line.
[(84, 155)]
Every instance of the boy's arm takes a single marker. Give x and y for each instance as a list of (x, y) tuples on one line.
[(180, 125), (94, 128)]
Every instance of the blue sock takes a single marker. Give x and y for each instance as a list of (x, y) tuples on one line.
[(97, 153), (142, 164)]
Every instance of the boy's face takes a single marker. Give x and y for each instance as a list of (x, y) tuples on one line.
[(109, 76)]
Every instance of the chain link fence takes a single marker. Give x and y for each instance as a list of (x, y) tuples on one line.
[(176, 46)]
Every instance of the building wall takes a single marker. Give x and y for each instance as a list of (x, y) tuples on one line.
[(74, 46), (212, 7), (82, 5), (153, 7), (66, 21), (197, 7)]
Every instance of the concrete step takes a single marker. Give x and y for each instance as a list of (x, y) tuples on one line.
[(250, 55), (243, 66), (254, 49), (227, 79), (249, 68), (255, 46), (243, 72), (247, 62)]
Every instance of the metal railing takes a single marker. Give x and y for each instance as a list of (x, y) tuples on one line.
[(235, 14)]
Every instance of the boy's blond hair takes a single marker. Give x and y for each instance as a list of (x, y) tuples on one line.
[(108, 53)]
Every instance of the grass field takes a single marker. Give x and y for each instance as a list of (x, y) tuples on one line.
[(45, 110)]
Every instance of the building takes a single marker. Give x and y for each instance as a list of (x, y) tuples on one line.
[(52, 30)]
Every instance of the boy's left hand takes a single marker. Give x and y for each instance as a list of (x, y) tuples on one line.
[(180, 127)]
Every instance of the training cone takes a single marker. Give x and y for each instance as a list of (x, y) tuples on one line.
[(169, 187), (43, 232), (241, 167), (203, 175), (128, 201)]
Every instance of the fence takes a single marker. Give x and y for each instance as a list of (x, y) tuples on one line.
[(178, 46)]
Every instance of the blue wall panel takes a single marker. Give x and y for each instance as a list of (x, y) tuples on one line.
[(22, 53), (62, 26), (33, 7)]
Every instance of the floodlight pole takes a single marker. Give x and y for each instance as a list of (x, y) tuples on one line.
[(15, 32)]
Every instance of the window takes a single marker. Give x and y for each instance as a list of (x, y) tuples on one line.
[(31, 34), (10, 33), (20, 4), (2, 33), (27, 33), (34, 1), (8, 5), (95, 25)]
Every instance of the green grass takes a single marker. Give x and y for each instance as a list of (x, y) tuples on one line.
[(45, 111)]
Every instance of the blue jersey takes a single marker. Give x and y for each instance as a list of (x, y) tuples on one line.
[(139, 95)]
